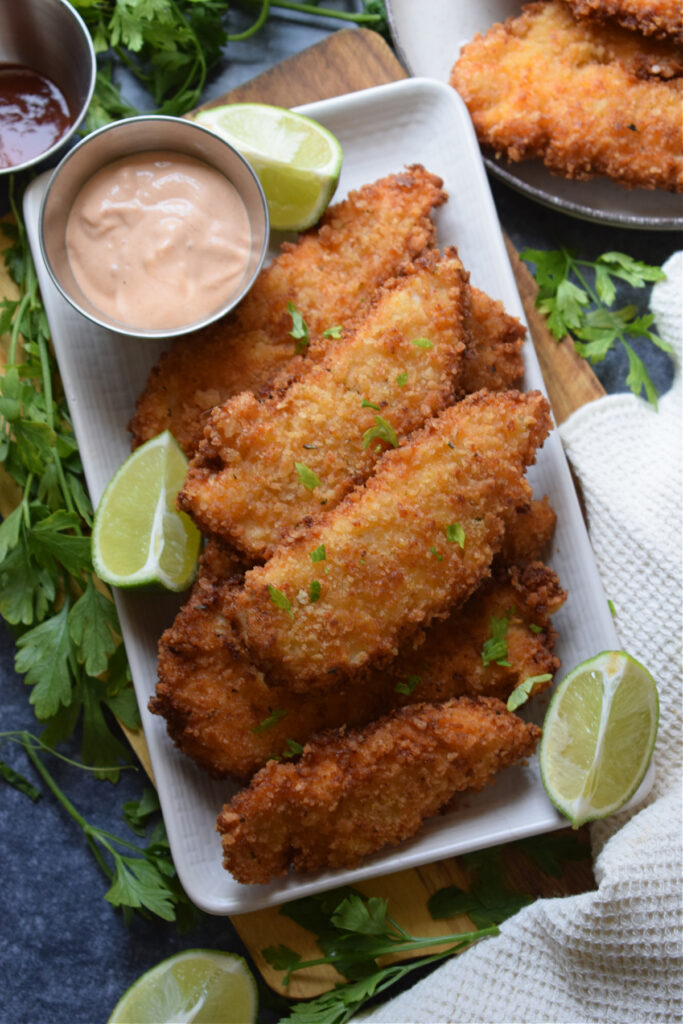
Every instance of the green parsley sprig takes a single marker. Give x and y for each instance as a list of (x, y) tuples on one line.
[(577, 297), (354, 932), (143, 879), (68, 645)]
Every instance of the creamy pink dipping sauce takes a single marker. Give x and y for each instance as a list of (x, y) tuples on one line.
[(158, 240)]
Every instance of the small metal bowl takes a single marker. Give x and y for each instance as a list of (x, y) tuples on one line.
[(148, 133), (50, 38)]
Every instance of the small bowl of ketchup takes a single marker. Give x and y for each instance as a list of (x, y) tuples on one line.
[(154, 226), (47, 77)]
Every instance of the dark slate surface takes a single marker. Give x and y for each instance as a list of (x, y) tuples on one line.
[(66, 955)]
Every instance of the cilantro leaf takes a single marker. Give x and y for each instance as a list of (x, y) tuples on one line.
[(407, 687), (423, 343), (319, 554), (314, 591), (270, 721), (455, 534), (333, 332)]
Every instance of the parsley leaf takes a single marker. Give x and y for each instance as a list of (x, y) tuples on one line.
[(522, 691), (423, 343), (496, 648), (407, 687), (280, 600), (93, 625), (299, 329), (585, 311), (314, 591), (382, 430), (307, 477), (455, 534), (273, 718), (319, 554), (333, 332), (402, 379)]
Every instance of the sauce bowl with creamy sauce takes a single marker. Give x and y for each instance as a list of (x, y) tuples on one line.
[(47, 77), (154, 227)]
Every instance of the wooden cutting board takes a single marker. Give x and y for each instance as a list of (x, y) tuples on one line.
[(348, 61)]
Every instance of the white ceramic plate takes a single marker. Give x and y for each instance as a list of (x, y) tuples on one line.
[(381, 130), (428, 37)]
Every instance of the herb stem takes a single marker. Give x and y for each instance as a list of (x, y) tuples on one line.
[(50, 782), (326, 12), (253, 29)]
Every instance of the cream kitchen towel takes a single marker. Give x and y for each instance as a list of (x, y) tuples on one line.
[(613, 955)]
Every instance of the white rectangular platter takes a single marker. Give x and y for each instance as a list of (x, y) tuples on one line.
[(381, 130)]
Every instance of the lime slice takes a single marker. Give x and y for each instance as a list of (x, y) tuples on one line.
[(198, 985), (598, 736), (296, 159), (139, 537)]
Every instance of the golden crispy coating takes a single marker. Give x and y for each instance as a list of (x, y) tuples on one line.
[(220, 712), (585, 98), (493, 358), (353, 793), (329, 274), (528, 533), (657, 18), (268, 463), (394, 555)]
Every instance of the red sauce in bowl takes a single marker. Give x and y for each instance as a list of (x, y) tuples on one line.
[(33, 114)]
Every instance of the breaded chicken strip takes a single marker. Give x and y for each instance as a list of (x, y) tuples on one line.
[(585, 98), (270, 462), (353, 793), (220, 712), (329, 275), (493, 358), (660, 19), (527, 534), (405, 548)]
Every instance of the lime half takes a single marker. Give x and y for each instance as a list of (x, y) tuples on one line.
[(296, 159), (139, 537), (198, 985), (598, 736)]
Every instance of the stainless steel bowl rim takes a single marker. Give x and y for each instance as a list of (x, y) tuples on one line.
[(120, 328)]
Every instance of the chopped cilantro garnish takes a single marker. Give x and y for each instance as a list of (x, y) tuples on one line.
[(534, 628), (280, 600), (612, 609), (270, 721), (292, 749), (299, 329), (455, 534), (402, 379), (319, 555), (408, 686), (423, 343), (307, 477), (496, 648), (333, 332), (436, 554), (522, 692), (314, 591), (383, 430), (368, 405)]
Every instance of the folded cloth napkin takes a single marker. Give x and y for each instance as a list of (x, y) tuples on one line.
[(614, 954)]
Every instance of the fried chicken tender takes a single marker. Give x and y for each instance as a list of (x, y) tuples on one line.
[(586, 98), (493, 358), (660, 19), (393, 560), (528, 533), (329, 275), (355, 792), (268, 463), (221, 713)]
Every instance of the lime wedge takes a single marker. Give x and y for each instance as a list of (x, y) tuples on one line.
[(598, 736), (139, 537), (296, 159), (197, 985)]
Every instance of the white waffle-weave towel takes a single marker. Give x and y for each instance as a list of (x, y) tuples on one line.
[(613, 955)]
